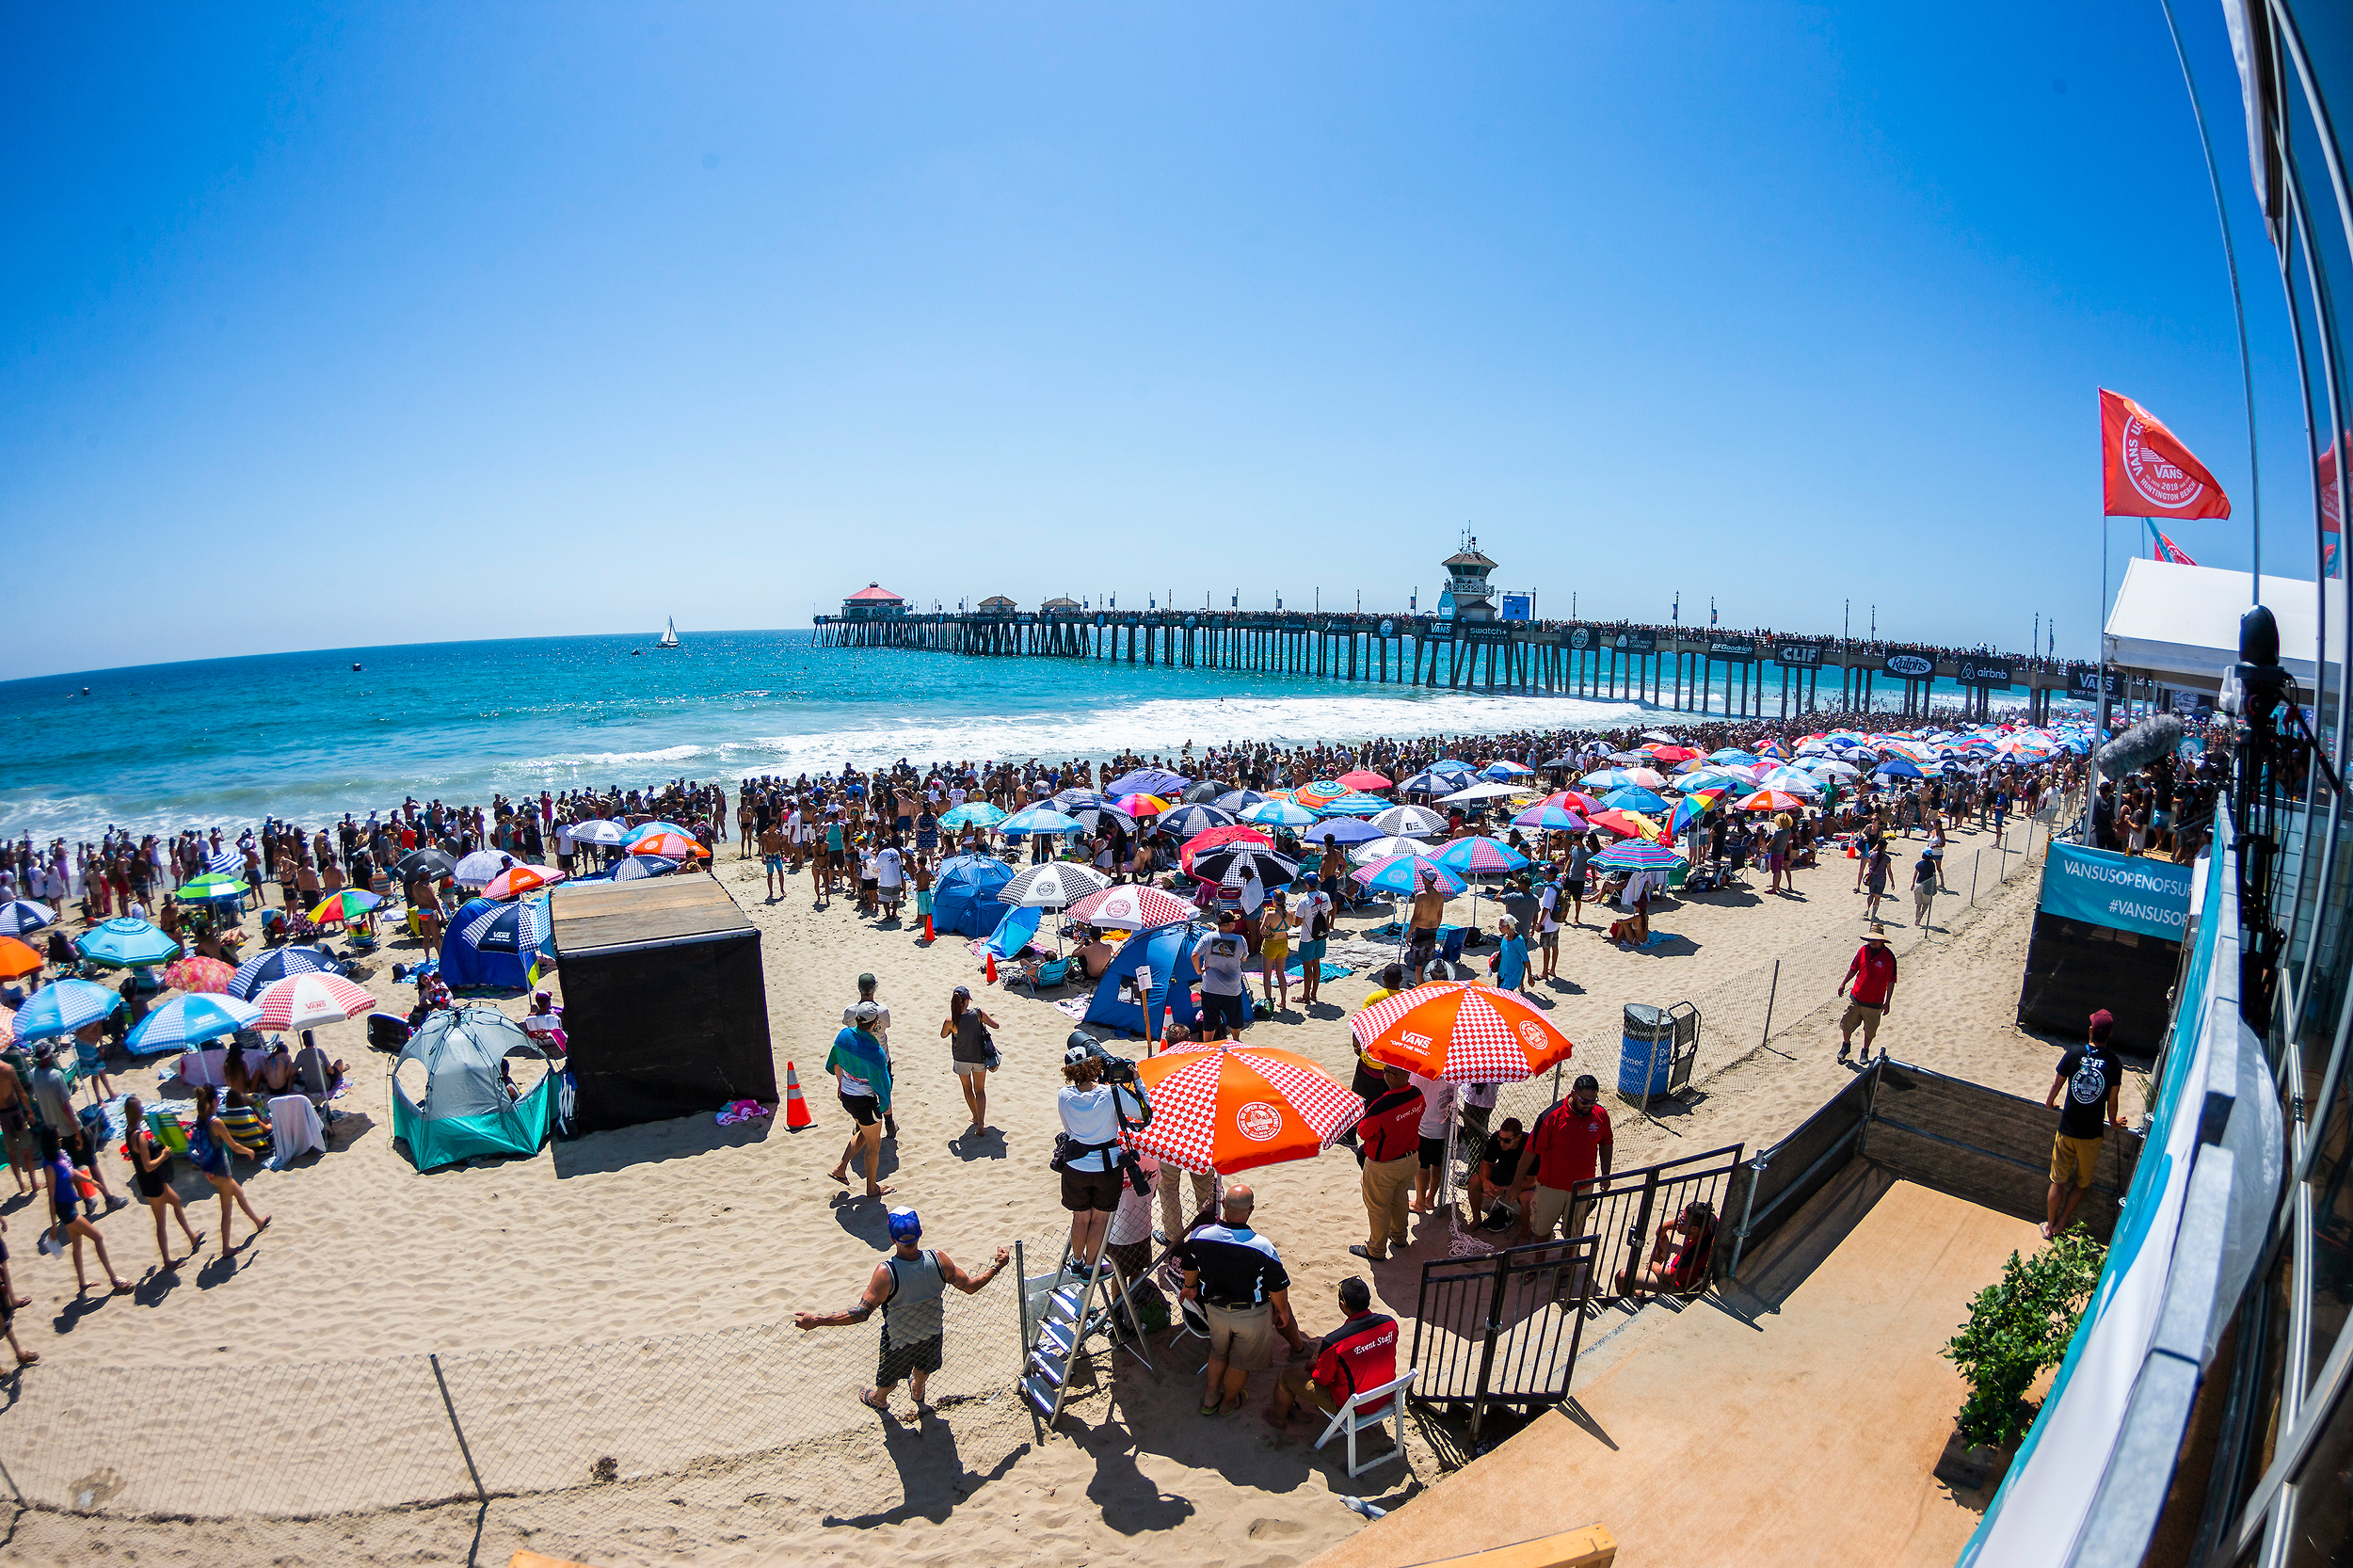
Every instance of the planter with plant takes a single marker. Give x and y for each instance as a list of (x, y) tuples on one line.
[(2017, 1331)]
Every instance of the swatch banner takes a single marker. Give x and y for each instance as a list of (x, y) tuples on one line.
[(2119, 892), (1911, 667), (2145, 470)]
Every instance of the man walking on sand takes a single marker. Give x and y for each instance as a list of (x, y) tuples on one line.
[(2091, 1077), (908, 1286), (862, 1078), (1872, 977)]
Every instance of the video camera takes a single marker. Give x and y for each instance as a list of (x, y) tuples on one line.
[(1116, 1070)]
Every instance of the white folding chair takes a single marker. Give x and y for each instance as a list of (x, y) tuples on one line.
[(1388, 1399)]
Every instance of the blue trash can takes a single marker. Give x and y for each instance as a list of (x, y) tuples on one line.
[(1647, 1056)]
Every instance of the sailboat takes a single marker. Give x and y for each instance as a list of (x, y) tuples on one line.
[(669, 638)]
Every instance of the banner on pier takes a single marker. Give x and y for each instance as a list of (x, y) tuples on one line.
[(1909, 665), (2083, 682), (1633, 642), (1484, 632), (1733, 648), (1993, 674), (1516, 606), (1799, 655)]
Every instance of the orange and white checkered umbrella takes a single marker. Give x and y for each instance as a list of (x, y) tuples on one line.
[(1461, 1029), (1231, 1106)]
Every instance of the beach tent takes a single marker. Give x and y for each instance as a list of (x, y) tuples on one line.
[(1012, 933), (964, 901), (455, 1107), (1164, 950), (491, 946)]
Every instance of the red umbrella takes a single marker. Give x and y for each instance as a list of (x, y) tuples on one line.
[(1365, 780), (310, 1000), (1462, 1029), (198, 973), (519, 879), (1772, 800), (1134, 908), (1230, 1107), (1574, 800), (1209, 838), (1624, 823)]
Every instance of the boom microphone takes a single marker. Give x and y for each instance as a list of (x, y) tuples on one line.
[(2142, 745)]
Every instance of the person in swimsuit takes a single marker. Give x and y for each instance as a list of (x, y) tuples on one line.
[(16, 1127), (71, 1224), (208, 1151), (150, 1173)]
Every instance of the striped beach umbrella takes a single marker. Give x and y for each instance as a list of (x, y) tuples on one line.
[(517, 880), (311, 1002), (1410, 821), (636, 868), (122, 943), (1461, 1029), (1212, 838), (1032, 820), (347, 903), (520, 927), (1240, 862), (1355, 804), (1403, 875), (1691, 807), (597, 830), (1479, 857), (1056, 884), (1239, 800), (1503, 770), (1318, 792), (272, 967), (1132, 908), (212, 885), (1230, 1108), (185, 1021), (1637, 855), (1771, 800), (64, 1007), (20, 914), (1181, 823), (1546, 817)]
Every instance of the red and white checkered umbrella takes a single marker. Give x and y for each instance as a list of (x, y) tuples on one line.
[(1461, 1029), (309, 1001), (1230, 1107), (1134, 908)]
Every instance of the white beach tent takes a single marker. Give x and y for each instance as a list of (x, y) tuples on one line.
[(2180, 624)]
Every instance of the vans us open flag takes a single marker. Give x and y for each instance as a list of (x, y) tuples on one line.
[(2145, 470)]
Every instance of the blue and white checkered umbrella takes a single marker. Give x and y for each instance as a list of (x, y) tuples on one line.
[(185, 1021), (1239, 800), (273, 966), (1185, 820), (64, 1007), (1356, 804), (636, 868), (518, 927), (20, 914)]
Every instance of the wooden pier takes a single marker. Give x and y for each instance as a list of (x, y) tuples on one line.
[(1689, 670)]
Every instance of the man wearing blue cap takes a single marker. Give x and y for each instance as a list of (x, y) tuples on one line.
[(907, 1286)]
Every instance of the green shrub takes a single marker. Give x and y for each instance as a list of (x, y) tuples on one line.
[(2018, 1329)]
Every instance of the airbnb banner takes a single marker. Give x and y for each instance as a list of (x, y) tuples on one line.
[(2146, 473)]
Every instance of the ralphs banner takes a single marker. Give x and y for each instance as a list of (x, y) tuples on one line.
[(2122, 892), (1912, 666)]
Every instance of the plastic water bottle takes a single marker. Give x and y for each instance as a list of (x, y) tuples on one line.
[(1368, 1509)]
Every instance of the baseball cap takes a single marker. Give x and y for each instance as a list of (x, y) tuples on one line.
[(2103, 1024), (865, 1012), (905, 1225), (963, 991)]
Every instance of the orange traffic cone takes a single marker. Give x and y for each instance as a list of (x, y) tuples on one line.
[(992, 968), (927, 930), (796, 1115)]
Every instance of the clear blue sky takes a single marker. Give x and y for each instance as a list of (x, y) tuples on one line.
[(361, 324)]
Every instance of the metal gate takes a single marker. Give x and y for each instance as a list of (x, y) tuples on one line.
[(1628, 1215), (1501, 1329)]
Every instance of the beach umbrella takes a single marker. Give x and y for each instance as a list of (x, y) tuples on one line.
[(1572, 800), (18, 960), (1771, 800), (519, 879), (1732, 754), (1035, 820), (1607, 780), (481, 864), (1830, 767), (228, 862), (1231, 1108), (1052, 885), (1796, 780), (1626, 825), (1355, 804), (1503, 769), (1461, 1029), (1480, 792), (20, 914), (348, 903), (1373, 851), (1657, 735), (597, 830), (1401, 874), (1141, 806), (515, 928), (212, 885), (1897, 767), (636, 868), (311, 1002), (974, 813), (1772, 749), (1438, 778), (1341, 830), (1132, 908), (1240, 862), (1211, 838), (1183, 822), (1479, 857), (1632, 797), (1672, 752), (1147, 781), (669, 846), (1237, 800), (1203, 791), (648, 829), (1546, 817), (1074, 800), (1410, 821), (1363, 779), (64, 1007), (1279, 813), (430, 864), (1318, 791), (123, 942), (1637, 855), (196, 973), (190, 1020), (1691, 807), (1090, 818), (277, 965)]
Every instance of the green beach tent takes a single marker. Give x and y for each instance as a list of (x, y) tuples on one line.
[(462, 1107)]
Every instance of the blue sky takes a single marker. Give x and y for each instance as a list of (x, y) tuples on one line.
[(366, 325)]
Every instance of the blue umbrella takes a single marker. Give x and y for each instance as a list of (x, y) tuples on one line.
[(1733, 754), (1038, 819), (1637, 855), (978, 813), (1278, 813), (1356, 804), (1503, 768), (1148, 781), (1344, 830), (20, 914), (270, 967), (518, 927), (185, 1021), (1897, 767), (1633, 797), (1239, 800), (1402, 873), (123, 942), (636, 868), (64, 1007)]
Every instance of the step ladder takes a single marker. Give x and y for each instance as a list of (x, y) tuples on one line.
[(1073, 1315)]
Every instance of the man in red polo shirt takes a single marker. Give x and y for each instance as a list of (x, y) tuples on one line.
[(1360, 1353), (1389, 1143), (1571, 1140), (1872, 976)]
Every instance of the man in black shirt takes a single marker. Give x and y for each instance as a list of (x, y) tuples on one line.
[(1498, 1172), (2089, 1077), (1244, 1291)]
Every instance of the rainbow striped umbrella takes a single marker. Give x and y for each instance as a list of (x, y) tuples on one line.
[(1548, 817), (1692, 807), (347, 904)]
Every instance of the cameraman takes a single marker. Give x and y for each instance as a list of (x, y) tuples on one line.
[(1092, 1162)]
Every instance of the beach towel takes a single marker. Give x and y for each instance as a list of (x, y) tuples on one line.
[(179, 1110), (295, 1130), (735, 1111), (1331, 971)]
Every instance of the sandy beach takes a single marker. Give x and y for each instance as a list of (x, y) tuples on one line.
[(727, 1436)]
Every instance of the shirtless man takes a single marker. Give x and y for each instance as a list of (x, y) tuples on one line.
[(772, 856), (16, 1125), (1422, 931)]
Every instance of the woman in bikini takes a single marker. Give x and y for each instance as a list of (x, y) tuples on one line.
[(208, 1151), (67, 1207), (150, 1173)]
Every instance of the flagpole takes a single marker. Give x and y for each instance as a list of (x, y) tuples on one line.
[(2100, 702)]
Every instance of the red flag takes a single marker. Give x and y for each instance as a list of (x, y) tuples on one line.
[(2147, 472), (2162, 548)]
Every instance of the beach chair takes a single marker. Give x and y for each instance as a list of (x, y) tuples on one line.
[(1045, 972), (1369, 1407), (168, 1131)]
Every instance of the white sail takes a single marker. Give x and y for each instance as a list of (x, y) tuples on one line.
[(669, 637)]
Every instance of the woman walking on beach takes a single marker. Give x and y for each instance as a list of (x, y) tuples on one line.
[(209, 1147), (970, 1052), (1510, 957), (1275, 950), (66, 1203), (150, 1173), (1876, 869)]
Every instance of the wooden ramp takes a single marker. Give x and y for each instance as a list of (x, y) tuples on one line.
[(1797, 1421)]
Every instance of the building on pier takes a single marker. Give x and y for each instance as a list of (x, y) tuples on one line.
[(1466, 596), (998, 604), (873, 603)]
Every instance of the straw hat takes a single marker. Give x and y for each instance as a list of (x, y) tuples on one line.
[(1877, 934)]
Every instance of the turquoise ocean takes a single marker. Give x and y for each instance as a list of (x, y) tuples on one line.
[(227, 742)]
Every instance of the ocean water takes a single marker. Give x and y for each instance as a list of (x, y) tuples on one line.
[(227, 742)]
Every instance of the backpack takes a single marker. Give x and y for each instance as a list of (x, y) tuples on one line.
[(1321, 927)]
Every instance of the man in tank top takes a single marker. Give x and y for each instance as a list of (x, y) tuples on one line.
[(908, 1286)]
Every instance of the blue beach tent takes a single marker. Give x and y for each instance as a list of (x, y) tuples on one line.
[(964, 901), (1167, 949), (1012, 933)]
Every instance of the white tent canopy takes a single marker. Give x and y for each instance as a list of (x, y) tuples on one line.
[(2180, 624)]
